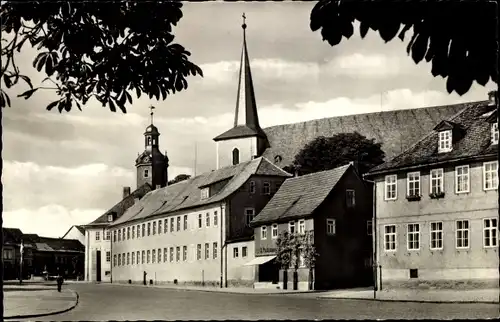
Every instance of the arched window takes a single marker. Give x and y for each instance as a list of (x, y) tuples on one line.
[(236, 156), (148, 140), (277, 158)]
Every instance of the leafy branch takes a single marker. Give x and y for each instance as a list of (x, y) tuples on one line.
[(99, 51)]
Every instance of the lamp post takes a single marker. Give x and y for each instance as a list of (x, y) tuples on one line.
[(21, 250)]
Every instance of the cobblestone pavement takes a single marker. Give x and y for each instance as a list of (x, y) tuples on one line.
[(116, 302), (36, 300)]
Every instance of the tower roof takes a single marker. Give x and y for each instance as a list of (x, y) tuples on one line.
[(246, 119), (151, 129)]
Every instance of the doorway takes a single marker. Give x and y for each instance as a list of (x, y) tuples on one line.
[(98, 266)]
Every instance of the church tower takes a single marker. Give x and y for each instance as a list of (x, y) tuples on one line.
[(246, 140), (152, 165)]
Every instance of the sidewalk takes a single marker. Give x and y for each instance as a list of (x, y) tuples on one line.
[(230, 290), (408, 295), (35, 300)]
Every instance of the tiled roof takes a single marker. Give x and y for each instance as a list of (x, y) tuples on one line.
[(239, 131), (122, 206), (396, 130), (12, 235), (300, 196), (186, 194), (475, 141)]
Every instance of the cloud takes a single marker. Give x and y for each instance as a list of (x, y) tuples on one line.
[(49, 221)]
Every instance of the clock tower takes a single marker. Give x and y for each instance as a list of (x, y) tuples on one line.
[(152, 165)]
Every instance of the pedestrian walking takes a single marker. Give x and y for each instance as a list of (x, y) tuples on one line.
[(60, 281)]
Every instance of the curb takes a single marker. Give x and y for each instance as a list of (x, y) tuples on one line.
[(29, 316), (217, 291), (408, 301)]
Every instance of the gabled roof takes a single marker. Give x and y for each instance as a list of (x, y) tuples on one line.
[(300, 196), (120, 208), (396, 130), (81, 229), (474, 143), (446, 125), (187, 194)]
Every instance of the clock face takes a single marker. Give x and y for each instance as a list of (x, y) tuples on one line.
[(146, 159)]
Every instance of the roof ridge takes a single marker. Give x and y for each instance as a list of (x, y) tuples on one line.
[(322, 171), (379, 112)]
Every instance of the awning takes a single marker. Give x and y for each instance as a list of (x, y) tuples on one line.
[(260, 260)]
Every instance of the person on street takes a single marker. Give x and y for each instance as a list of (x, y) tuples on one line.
[(59, 281)]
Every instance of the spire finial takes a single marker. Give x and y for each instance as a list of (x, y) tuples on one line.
[(151, 108), (244, 25)]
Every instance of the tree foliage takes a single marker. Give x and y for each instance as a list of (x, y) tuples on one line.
[(103, 50), (326, 153), (458, 37), (179, 178), (290, 247)]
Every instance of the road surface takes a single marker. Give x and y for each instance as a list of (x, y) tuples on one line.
[(115, 302)]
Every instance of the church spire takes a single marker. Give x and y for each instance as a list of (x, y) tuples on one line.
[(246, 108)]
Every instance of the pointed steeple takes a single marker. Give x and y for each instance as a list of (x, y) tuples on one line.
[(246, 107)]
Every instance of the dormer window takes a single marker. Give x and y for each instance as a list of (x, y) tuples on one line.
[(204, 193), (278, 159), (110, 217), (445, 138), (494, 133)]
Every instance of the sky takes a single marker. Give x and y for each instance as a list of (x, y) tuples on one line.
[(67, 169)]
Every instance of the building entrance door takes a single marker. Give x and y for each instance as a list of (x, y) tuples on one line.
[(98, 266)]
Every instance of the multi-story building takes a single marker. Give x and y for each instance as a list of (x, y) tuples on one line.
[(152, 173), (98, 236), (335, 206), (195, 231), (437, 204)]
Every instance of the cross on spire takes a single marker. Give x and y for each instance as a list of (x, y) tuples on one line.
[(151, 108)]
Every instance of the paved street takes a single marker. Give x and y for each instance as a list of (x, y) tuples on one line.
[(115, 302)]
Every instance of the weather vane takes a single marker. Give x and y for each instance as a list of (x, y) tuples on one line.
[(151, 108), (244, 19)]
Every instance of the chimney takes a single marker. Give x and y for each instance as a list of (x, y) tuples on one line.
[(493, 97), (126, 192)]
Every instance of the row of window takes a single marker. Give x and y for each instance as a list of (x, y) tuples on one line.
[(462, 235), (166, 225), (296, 227), (236, 252), (155, 256), (436, 182), (106, 237)]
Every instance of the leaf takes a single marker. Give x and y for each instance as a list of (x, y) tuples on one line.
[(112, 106), (27, 80), (52, 105), (363, 29), (419, 48), (28, 93), (129, 97), (78, 105), (7, 81)]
